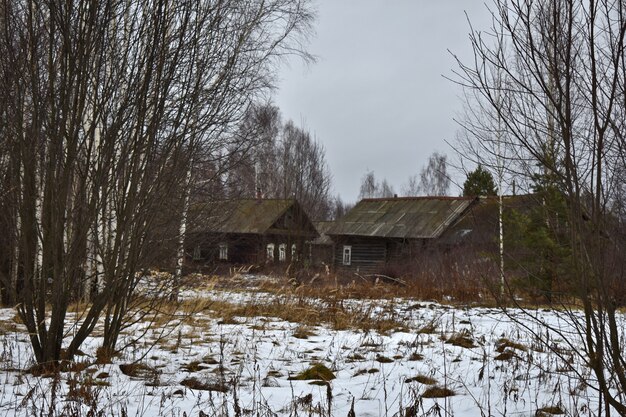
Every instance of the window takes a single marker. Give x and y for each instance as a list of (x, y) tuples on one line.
[(294, 252), (197, 253), (223, 251), (347, 255), (270, 252), (282, 252)]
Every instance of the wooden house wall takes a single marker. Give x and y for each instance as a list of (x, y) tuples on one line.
[(288, 240), (368, 255), (243, 248)]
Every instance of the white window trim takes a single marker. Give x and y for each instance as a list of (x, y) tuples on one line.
[(269, 251), (346, 260), (294, 252), (282, 252), (223, 252)]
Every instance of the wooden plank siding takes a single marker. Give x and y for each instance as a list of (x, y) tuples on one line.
[(368, 255)]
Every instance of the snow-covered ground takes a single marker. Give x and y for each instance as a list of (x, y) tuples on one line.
[(204, 365)]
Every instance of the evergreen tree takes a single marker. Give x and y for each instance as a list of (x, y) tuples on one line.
[(537, 239), (479, 182)]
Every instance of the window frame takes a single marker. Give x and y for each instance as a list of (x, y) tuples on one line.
[(223, 254), (347, 249), (294, 252)]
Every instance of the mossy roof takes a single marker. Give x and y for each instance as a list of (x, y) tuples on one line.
[(402, 218), (249, 216)]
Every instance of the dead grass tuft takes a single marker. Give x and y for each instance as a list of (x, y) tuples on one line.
[(356, 357), (71, 366), (138, 370), (17, 319), (462, 339), (422, 379), (104, 355), (194, 366), (416, 357), (437, 392), (504, 343), (210, 360), (429, 328), (507, 355), (303, 332), (196, 384), (316, 371), (7, 327)]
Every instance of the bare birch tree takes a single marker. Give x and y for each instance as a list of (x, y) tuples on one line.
[(283, 161), (548, 85), (302, 171), (369, 186), (106, 107), (434, 179)]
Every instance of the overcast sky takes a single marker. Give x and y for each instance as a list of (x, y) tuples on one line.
[(377, 98)]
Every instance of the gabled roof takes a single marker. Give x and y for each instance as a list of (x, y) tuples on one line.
[(403, 218), (246, 216)]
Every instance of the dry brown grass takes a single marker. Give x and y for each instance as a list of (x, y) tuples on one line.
[(428, 328), (306, 312), (196, 384), (138, 370), (422, 379), (316, 371), (303, 332), (507, 355), (462, 339), (72, 366), (194, 366), (383, 359), (437, 392), (504, 344), (8, 327), (366, 371)]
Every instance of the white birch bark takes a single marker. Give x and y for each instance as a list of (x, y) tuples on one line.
[(182, 232)]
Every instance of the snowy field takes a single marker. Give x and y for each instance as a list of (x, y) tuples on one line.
[(428, 359)]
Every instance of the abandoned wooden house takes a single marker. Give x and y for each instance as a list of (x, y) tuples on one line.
[(251, 231), (380, 231)]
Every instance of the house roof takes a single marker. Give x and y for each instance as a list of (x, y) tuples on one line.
[(404, 218), (322, 228), (246, 216), (480, 223)]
